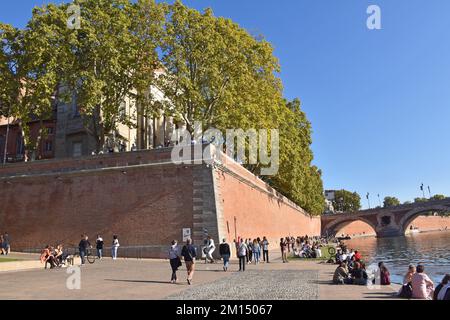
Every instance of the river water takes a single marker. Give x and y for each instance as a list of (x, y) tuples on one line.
[(430, 249)]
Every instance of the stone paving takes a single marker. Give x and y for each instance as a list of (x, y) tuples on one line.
[(258, 285), (132, 279)]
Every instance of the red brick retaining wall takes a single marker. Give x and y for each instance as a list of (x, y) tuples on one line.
[(143, 198), (253, 209)]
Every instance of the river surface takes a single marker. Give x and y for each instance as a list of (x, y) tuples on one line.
[(430, 249)]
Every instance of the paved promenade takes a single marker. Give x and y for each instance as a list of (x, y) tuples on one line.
[(149, 279)]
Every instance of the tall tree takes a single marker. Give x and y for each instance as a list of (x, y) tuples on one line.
[(347, 201), (99, 72), (30, 66)]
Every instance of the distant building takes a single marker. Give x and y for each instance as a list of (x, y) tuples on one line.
[(71, 134), (12, 139)]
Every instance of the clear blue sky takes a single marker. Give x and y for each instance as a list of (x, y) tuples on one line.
[(379, 101)]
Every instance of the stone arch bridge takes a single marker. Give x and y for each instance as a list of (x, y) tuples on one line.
[(387, 222)]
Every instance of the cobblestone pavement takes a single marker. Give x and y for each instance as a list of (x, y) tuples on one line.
[(257, 285)]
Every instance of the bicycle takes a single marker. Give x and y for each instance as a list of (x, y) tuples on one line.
[(88, 256)]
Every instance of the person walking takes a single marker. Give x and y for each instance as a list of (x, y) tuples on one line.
[(83, 246), (115, 247), (283, 247), (189, 254), (99, 246), (210, 248), (175, 260), (2, 246), (265, 249), (256, 251), (249, 245), (6, 243), (242, 254), (225, 253)]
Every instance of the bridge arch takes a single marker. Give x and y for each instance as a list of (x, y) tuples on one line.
[(410, 216), (332, 228)]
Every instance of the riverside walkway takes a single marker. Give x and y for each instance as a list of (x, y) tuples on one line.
[(149, 279)]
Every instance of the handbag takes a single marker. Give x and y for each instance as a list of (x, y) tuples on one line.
[(179, 264)]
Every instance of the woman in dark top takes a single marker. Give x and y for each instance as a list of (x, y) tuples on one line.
[(359, 275), (442, 291)]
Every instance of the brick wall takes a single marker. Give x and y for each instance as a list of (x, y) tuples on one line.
[(249, 209), (143, 198)]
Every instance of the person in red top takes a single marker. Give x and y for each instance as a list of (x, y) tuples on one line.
[(385, 276), (357, 256)]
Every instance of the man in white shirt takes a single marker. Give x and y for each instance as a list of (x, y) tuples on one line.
[(210, 247)]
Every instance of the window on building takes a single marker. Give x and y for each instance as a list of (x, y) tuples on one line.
[(20, 147), (2, 146), (48, 146), (75, 108), (50, 130), (123, 110), (77, 149)]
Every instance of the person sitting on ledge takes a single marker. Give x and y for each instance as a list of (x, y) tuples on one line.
[(48, 257), (442, 291), (341, 275), (422, 286), (385, 276), (359, 274)]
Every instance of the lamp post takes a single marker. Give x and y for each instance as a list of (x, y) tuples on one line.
[(368, 198), (423, 191), (379, 200)]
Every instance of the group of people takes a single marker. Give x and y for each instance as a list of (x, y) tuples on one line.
[(248, 251), (5, 245), (418, 285), (352, 269), (303, 247), (54, 256), (85, 245)]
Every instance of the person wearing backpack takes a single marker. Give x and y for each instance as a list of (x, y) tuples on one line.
[(242, 250), (175, 261)]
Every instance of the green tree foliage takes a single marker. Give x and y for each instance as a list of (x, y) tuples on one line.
[(29, 69), (438, 197), (390, 202), (416, 200), (347, 201), (215, 72)]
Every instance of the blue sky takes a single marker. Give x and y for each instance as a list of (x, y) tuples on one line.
[(379, 100)]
